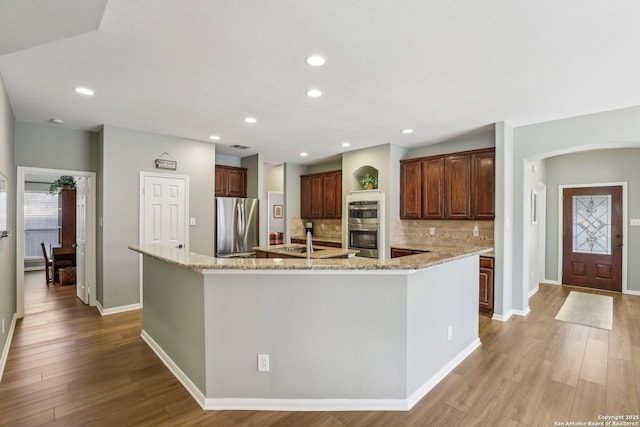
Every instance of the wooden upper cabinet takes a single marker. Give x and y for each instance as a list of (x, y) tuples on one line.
[(433, 188), (321, 195), (452, 186), (230, 181), (484, 185), (410, 189), (458, 187)]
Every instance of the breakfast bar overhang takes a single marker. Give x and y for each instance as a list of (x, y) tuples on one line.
[(341, 334)]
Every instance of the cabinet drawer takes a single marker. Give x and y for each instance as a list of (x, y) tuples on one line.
[(486, 262)]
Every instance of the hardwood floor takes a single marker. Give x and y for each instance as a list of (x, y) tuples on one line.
[(69, 366)]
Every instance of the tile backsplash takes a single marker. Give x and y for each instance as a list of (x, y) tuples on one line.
[(445, 232), (332, 227)]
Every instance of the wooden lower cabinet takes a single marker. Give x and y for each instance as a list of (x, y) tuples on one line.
[(400, 252), (486, 284), (318, 243)]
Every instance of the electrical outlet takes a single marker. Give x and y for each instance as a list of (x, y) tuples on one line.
[(192, 221), (476, 231), (321, 226), (635, 222), (432, 230), (450, 333), (263, 363)]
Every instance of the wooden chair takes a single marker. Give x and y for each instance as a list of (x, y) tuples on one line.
[(48, 265)]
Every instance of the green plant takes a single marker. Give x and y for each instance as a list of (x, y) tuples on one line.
[(65, 181), (369, 179)]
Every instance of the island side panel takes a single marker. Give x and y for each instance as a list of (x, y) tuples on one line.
[(438, 297), (173, 315), (328, 335)]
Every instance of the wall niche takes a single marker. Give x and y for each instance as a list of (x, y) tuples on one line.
[(367, 178)]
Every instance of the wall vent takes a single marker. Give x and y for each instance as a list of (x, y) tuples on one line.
[(240, 147)]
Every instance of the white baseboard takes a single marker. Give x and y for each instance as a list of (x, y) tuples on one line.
[(7, 344), (552, 282), (534, 291), (39, 268), (114, 310), (508, 314), (175, 370), (631, 292), (251, 404)]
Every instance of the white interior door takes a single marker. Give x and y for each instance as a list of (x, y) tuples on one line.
[(165, 211), (82, 290)]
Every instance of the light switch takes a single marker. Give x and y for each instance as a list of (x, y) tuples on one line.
[(192, 221), (635, 222)]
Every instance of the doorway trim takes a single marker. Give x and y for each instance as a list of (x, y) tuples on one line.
[(90, 232), (625, 202), (143, 176)]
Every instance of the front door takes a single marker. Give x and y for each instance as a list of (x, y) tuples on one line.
[(592, 237)]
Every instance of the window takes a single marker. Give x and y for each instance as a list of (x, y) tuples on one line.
[(40, 222)]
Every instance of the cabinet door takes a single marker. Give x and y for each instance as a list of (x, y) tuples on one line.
[(410, 191), (329, 195), (486, 284), (433, 188), (220, 181), (67, 217), (458, 187), (316, 196), (305, 197), (484, 187), (236, 183)]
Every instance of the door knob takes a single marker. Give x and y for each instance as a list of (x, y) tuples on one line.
[(618, 244), (179, 246)]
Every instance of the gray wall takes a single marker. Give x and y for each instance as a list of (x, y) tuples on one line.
[(125, 153), (382, 158), (325, 167), (482, 138), (616, 165), (292, 174), (612, 129), (54, 147), (174, 316), (7, 244)]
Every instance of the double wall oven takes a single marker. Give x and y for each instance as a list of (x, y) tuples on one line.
[(365, 225)]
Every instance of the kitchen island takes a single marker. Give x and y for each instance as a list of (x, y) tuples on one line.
[(340, 334)]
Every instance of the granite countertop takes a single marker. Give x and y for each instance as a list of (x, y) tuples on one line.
[(320, 252), (203, 263), (319, 239), (440, 246)]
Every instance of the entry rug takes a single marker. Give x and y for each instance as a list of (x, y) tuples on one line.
[(587, 309)]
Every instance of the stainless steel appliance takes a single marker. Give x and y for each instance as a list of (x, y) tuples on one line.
[(364, 227), (236, 227)]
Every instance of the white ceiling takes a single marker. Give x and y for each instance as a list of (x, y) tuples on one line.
[(194, 68)]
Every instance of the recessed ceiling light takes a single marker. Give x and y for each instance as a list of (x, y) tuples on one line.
[(84, 90), (303, 154), (314, 93), (214, 137), (315, 60), (346, 144), (57, 121), (250, 120), (405, 131)]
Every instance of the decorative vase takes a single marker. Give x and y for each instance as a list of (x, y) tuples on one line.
[(369, 186)]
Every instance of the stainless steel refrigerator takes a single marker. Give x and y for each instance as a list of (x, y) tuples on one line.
[(236, 227)]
